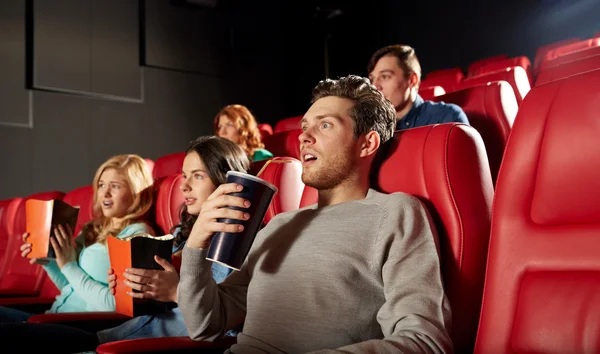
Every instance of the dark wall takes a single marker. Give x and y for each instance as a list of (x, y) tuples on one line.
[(83, 80)]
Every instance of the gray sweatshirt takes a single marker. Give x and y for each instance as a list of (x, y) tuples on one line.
[(357, 277)]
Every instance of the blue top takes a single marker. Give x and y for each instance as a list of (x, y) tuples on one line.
[(82, 283), (428, 112), (169, 324)]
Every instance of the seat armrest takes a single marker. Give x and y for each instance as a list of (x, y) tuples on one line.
[(88, 321), (166, 345)]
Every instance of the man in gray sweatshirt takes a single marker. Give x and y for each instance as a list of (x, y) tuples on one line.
[(358, 272)]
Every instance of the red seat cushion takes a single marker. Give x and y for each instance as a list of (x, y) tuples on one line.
[(543, 277), (286, 124), (168, 165), (515, 76), (445, 166), (284, 143), (491, 110), (568, 69)]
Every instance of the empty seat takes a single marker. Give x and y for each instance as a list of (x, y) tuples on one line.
[(540, 54), (521, 61), (18, 276), (476, 65), (515, 76), (168, 165), (285, 143), (446, 167), (572, 56), (543, 276), (568, 69), (446, 78), (286, 124), (428, 93), (491, 109)]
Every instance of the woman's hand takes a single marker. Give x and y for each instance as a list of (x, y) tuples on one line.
[(159, 285), (111, 280), (26, 249), (213, 208), (62, 242)]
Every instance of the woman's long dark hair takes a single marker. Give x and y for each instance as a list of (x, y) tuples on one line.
[(219, 156)]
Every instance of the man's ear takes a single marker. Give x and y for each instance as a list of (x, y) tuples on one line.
[(370, 144), (413, 80)]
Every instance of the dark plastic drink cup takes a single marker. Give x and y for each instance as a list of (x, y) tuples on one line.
[(231, 248)]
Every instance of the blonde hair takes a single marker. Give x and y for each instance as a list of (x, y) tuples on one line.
[(246, 125), (139, 181)]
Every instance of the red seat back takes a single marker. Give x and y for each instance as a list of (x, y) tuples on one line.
[(521, 61), (476, 65), (446, 167), (543, 276), (571, 47), (8, 210), (168, 165), (446, 78), (568, 69), (18, 276), (286, 124), (83, 198), (169, 200), (284, 143), (428, 93), (572, 56), (491, 110), (515, 76), (265, 130), (540, 54)]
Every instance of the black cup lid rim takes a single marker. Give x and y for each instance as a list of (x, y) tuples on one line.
[(253, 178)]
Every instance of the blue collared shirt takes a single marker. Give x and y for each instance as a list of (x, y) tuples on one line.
[(428, 112)]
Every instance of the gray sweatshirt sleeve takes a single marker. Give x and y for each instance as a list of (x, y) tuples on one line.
[(210, 309), (415, 317)]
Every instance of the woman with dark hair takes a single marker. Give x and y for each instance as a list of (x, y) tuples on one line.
[(236, 123), (207, 161)]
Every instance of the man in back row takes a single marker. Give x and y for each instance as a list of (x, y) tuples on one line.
[(358, 272), (396, 72)]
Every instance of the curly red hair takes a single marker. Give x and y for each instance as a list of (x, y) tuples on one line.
[(245, 123)]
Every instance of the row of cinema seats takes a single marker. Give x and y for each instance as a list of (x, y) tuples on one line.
[(539, 250), (544, 232)]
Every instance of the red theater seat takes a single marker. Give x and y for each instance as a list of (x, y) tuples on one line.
[(446, 78), (168, 165), (515, 76), (571, 47), (428, 93), (543, 276), (83, 198), (169, 200), (285, 143), (491, 109), (8, 209), (19, 278), (540, 54), (521, 61), (265, 130), (445, 166), (286, 124), (568, 69), (572, 56), (476, 65)]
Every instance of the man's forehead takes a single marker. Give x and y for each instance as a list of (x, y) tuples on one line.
[(329, 106), (386, 63)]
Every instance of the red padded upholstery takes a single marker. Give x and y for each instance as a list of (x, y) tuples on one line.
[(265, 130), (515, 76), (491, 110), (83, 198), (284, 144), (168, 165), (18, 276), (8, 209), (572, 56), (286, 124), (446, 78), (167, 345), (543, 275), (169, 200), (476, 65), (446, 167), (571, 47), (427, 93), (540, 54), (521, 61), (568, 69)]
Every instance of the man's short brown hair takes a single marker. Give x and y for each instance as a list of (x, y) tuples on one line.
[(407, 59), (371, 111)]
